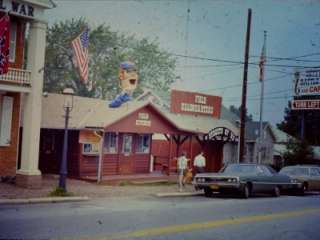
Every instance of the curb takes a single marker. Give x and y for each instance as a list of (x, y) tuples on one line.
[(43, 200), (179, 194)]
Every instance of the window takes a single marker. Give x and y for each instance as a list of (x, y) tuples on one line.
[(90, 149), (301, 171), (6, 108), (127, 144), (143, 144), (111, 142), (315, 172), (13, 38)]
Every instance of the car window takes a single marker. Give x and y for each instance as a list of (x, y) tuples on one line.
[(287, 171), (315, 172), (267, 171), (241, 169), (301, 171)]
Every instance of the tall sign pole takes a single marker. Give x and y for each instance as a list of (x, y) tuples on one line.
[(244, 90), (262, 62)]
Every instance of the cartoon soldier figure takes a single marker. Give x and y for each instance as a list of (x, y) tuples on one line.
[(128, 81)]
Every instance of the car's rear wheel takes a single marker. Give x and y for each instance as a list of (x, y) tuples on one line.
[(276, 191), (246, 191), (208, 192), (301, 191)]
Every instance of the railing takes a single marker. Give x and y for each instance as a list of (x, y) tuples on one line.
[(17, 76)]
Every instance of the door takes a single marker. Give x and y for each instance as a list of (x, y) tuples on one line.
[(126, 155), (314, 183)]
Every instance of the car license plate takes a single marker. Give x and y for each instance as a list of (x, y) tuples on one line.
[(214, 187)]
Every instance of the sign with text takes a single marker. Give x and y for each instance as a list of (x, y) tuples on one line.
[(19, 8), (143, 120), (307, 83), (305, 104), (221, 134), (195, 103)]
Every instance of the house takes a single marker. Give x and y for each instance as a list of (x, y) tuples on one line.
[(21, 90), (106, 142), (252, 143)]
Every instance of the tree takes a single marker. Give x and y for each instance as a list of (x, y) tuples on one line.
[(298, 152), (237, 111), (292, 124), (107, 50)]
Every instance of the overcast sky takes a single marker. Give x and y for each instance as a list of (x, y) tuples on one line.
[(216, 30)]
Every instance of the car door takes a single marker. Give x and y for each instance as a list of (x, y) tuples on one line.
[(314, 183), (270, 178)]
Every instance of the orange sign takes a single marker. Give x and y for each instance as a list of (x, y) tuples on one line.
[(195, 103)]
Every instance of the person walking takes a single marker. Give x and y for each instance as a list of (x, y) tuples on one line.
[(199, 163), (182, 167)]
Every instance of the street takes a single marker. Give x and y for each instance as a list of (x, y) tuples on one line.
[(261, 217)]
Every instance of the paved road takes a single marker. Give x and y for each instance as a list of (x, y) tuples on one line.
[(287, 217)]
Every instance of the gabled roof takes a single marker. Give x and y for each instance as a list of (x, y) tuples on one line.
[(201, 124), (253, 130), (280, 136), (95, 113)]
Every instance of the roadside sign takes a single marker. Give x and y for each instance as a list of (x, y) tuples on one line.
[(307, 83), (305, 104)]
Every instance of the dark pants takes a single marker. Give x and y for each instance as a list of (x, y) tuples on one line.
[(198, 170)]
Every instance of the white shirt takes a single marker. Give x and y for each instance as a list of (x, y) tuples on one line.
[(182, 162), (199, 161)]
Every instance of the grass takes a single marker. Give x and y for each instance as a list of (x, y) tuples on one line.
[(60, 192)]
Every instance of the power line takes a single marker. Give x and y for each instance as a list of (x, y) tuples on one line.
[(240, 84), (239, 62)]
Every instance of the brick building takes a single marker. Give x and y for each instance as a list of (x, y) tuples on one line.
[(21, 90)]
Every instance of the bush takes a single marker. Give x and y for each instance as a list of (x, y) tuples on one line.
[(298, 152)]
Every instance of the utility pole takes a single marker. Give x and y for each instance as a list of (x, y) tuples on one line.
[(244, 90), (262, 62)]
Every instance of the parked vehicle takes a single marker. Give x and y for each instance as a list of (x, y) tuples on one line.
[(246, 179), (309, 175)]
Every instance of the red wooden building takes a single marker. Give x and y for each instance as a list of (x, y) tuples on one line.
[(136, 138)]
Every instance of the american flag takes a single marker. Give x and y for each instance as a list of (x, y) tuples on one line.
[(80, 47), (262, 59), (4, 44)]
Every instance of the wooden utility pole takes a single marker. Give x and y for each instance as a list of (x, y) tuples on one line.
[(244, 90)]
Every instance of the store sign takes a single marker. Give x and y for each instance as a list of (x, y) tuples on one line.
[(307, 83), (195, 103), (221, 134), (17, 8), (143, 120), (305, 104)]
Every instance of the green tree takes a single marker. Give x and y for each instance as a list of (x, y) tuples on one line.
[(237, 111), (298, 152), (292, 124), (107, 50)]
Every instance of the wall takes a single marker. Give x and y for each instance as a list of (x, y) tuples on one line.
[(9, 155), (50, 152)]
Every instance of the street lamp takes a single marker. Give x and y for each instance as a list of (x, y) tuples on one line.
[(67, 106)]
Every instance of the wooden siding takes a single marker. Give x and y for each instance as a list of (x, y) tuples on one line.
[(158, 124)]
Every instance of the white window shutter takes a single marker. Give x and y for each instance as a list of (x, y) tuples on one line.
[(6, 120)]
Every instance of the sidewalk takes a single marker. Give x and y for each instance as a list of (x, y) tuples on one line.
[(83, 190)]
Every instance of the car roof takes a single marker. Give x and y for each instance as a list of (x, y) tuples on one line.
[(302, 166)]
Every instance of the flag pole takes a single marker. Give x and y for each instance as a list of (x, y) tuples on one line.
[(262, 63)]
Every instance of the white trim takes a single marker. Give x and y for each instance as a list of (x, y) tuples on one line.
[(91, 153)]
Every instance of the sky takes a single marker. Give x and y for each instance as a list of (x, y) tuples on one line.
[(216, 30)]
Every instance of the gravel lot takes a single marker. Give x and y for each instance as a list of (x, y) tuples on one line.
[(83, 188)]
